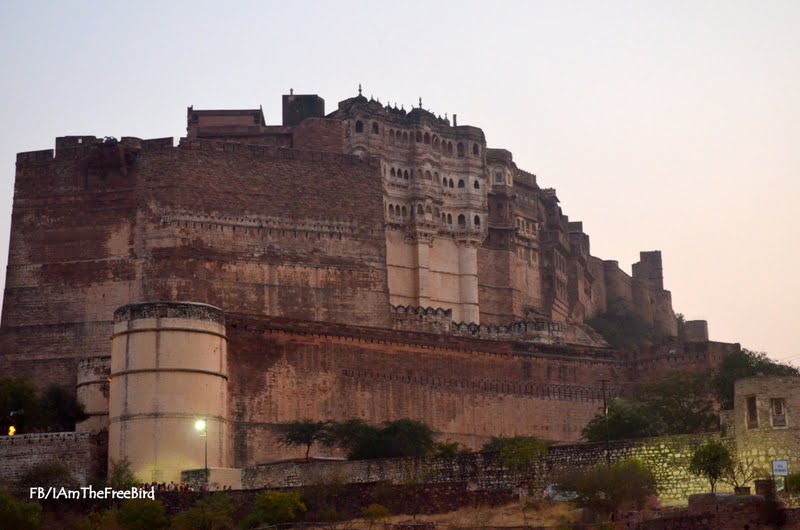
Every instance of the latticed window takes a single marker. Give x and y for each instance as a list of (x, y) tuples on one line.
[(778, 406)]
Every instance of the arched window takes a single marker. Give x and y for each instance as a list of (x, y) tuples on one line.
[(420, 174), (477, 220), (419, 137), (427, 138), (450, 183), (375, 129), (444, 218), (460, 148), (476, 185), (435, 142), (449, 148), (391, 173), (420, 210), (428, 210), (428, 175), (436, 176), (391, 209), (436, 212), (462, 221), (359, 127), (391, 135), (498, 177), (461, 183), (449, 219), (404, 211), (444, 183), (405, 174), (476, 150)]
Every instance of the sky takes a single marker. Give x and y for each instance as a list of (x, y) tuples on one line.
[(671, 126)]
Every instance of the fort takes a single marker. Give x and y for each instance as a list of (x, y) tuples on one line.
[(370, 263)]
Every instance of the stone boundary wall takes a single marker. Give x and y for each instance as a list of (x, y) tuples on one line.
[(83, 453), (668, 457)]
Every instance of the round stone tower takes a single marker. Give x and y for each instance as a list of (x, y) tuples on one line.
[(168, 392), (92, 391)]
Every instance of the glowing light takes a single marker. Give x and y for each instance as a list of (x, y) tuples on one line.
[(200, 425), (12, 431)]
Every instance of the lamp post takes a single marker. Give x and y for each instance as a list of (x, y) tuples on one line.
[(605, 414), (201, 426)]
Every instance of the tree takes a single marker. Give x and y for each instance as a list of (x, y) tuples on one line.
[(351, 434), (303, 434), (213, 513), (398, 438), (406, 438), (741, 364), (120, 476), (18, 515), (20, 406), (605, 489), (62, 408), (711, 460), (274, 507), (740, 473), (678, 403), (519, 453), (626, 420), (142, 514)]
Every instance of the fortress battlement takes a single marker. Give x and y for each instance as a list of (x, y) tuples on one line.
[(370, 262)]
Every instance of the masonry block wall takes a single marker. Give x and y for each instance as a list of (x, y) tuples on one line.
[(83, 454), (668, 457)]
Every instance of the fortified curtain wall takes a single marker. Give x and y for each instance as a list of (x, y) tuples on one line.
[(467, 390), (252, 229), (668, 458)]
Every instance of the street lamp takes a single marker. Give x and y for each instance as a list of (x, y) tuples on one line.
[(605, 414), (201, 426)]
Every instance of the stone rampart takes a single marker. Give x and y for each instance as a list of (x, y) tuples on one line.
[(667, 457), (83, 454)]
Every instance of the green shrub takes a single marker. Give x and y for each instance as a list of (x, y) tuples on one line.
[(18, 515), (449, 448), (274, 507), (45, 475), (212, 513), (142, 514), (793, 483), (375, 513), (605, 489), (120, 476)]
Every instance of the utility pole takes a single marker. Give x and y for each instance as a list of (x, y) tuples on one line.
[(605, 414)]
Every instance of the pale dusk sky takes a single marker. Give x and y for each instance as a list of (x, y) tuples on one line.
[(663, 125)]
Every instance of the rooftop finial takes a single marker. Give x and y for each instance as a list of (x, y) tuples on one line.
[(420, 102), (359, 89)]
